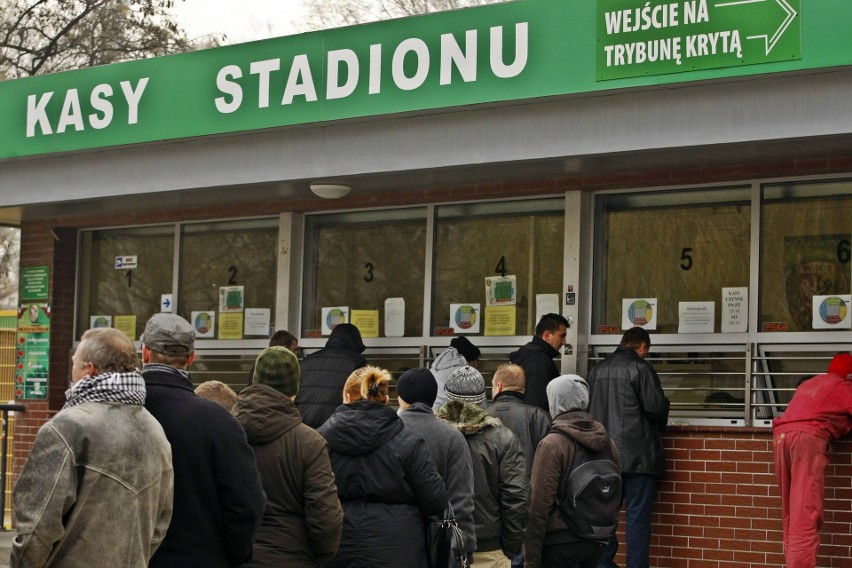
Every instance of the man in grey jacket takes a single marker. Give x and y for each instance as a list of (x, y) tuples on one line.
[(416, 391), (625, 395), (500, 483), (97, 486)]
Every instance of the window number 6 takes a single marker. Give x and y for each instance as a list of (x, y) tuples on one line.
[(686, 257)]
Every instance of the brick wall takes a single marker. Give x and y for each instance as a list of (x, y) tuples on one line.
[(719, 507)]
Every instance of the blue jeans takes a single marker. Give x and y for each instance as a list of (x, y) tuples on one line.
[(638, 496)]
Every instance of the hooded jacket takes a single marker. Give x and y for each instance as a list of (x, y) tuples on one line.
[(303, 518), (536, 358), (325, 372), (551, 468), (442, 367), (625, 395), (386, 481), (500, 485)]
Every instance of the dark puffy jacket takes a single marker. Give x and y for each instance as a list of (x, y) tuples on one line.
[(387, 482), (626, 396), (219, 499), (303, 517), (536, 358), (549, 481), (500, 483), (325, 372), (530, 424)]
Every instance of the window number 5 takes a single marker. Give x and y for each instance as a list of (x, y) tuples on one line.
[(686, 257)]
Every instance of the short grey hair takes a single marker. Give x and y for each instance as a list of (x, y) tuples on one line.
[(109, 350)]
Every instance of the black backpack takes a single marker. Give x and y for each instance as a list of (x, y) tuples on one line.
[(593, 494)]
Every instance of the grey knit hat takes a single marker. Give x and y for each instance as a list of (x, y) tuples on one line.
[(467, 385)]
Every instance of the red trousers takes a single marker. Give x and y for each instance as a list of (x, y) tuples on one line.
[(800, 463)]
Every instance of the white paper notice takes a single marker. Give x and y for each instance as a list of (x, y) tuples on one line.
[(696, 317), (832, 312), (639, 312), (394, 317), (256, 321), (464, 318), (332, 316), (546, 304), (734, 310)]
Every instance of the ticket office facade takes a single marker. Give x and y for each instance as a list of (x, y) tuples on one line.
[(670, 192)]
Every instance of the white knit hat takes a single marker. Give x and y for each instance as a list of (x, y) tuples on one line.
[(467, 385)]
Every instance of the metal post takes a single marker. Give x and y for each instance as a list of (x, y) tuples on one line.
[(4, 448)]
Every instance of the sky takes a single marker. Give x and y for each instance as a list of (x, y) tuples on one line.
[(240, 20)]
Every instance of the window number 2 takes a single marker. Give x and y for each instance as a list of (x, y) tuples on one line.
[(686, 257), (233, 272)]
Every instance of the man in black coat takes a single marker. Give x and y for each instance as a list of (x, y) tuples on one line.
[(325, 372), (218, 498), (536, 357)]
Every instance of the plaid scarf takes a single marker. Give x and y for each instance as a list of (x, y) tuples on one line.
[(124, 388)]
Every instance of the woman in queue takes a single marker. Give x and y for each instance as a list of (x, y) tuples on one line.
[(386, 481)]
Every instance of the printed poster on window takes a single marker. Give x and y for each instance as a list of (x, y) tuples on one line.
[(32, 357), (332, 316), (231, 299), (464, 318), (832, 312), (204, 324), (639, 312), (501, 290), (500, 320)]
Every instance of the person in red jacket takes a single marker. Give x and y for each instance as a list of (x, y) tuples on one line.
[(820, 412)]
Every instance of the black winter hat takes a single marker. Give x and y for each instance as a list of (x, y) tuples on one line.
[(466, 349), (417, 385)]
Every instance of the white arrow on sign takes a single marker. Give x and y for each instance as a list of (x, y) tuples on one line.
[(770, 41)]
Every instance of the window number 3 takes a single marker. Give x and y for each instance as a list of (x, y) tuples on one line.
[(686, 257), (369, 277)]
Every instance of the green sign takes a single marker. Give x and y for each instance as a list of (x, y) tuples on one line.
[(501, 52), (642, 37), (32, 357), (35, 283)]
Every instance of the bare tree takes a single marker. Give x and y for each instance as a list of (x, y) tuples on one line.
[(44, 36), (325, 14), (10, 248)]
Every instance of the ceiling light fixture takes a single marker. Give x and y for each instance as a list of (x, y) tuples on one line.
[(330, 190)]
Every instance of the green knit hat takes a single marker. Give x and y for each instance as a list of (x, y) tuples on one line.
[(278, 367)]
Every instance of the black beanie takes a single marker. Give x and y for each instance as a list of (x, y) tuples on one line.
[(417, 385), (466, 349)]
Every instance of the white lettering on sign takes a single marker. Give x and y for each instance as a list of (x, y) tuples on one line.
[(642, 19), (266, 74), (72, 116)]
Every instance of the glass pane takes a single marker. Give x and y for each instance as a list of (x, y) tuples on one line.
[(475, 241), (805, 252), (110, 292), (676, 247), (225, 254), (360, 260)]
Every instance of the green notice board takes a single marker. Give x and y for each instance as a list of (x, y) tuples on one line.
[(35, 283)]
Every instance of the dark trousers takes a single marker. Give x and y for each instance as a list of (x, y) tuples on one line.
[(638, 494), (583, 554)]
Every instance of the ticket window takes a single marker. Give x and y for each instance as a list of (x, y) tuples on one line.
[(805, 254), (672, 247), (476, 242), (228, 277), (123, 273), (365, 263)]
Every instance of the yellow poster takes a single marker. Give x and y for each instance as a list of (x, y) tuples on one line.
[(126, 325), (367, 322), (500, 320), (231, 325)]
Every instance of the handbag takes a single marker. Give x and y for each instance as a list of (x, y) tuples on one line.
[(446, 545)]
